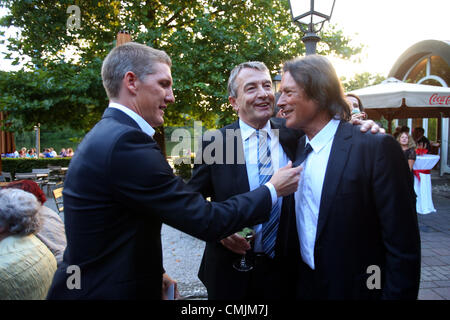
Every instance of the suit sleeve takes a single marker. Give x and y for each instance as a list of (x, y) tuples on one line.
[(396, 207), (142, 178)]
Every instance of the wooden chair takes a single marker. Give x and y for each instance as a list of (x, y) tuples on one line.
[(58, 196)]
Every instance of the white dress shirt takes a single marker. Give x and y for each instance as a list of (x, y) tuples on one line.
[(278, 157), (309, 192), (133, 115)]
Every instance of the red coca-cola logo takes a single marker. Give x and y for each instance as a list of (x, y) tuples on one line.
[(437, 99)]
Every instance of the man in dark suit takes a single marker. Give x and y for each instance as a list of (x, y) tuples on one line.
[(119, 189), (355, 206), (251, 95)]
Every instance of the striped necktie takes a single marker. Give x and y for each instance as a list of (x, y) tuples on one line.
[(265, 170)]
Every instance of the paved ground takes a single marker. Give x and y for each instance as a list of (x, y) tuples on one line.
[(182, 253), (435, 237)]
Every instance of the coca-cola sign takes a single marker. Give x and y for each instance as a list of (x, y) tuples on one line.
[(436, 99)]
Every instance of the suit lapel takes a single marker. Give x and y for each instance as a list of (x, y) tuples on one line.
[(300, 147), (339, 154), (238, 170)]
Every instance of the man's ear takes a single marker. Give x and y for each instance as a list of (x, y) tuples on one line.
[(233, 103), (130, 82)]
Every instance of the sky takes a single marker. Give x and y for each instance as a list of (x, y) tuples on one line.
[(388, 28), (385, 27)]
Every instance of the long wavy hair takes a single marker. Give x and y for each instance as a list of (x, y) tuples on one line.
[(317, 77), (411, 143)]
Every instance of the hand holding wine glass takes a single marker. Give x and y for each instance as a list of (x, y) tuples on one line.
[(236, 243), (242, 264)]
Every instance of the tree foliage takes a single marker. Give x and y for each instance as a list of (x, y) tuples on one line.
[(361, 80), (61, 82)]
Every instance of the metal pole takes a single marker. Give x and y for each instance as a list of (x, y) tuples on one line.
[(37, 132), (310, 40)]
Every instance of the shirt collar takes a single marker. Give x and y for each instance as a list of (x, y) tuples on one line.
[(133, 115), (247, 131), (322, 138)]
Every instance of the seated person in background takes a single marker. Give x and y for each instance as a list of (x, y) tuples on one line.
[(26, 265), (399, 130), (408, 147), (32, 153), (420, 139), (52, 232), (23, 153), (70, 152), (356, 106), (48, 153), (63, 153), (53, 152), (11, 155)]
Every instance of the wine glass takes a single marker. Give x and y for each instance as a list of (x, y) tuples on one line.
[(242, 264)]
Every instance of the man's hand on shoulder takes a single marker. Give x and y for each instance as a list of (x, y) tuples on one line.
[(367, 125)]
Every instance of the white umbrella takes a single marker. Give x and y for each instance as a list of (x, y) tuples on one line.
[(393, 93)]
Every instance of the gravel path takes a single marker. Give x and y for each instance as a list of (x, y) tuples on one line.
[(182, 255)]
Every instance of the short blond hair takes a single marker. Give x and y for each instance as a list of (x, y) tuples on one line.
[(133, 57)]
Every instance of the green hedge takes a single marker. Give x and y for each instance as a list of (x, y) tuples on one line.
[(14, 165)]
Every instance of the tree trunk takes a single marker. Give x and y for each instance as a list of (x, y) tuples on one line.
[(159, 138)]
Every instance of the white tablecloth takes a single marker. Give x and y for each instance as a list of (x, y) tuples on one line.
[(423, 188)]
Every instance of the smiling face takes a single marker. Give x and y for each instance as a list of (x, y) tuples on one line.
[(153, 94), (254, 99), (299, 110)]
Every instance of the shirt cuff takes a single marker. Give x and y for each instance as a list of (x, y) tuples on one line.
[(273, 192)]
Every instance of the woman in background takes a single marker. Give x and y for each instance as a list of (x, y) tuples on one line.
[(26, 265), (408, 146), (52, 232)]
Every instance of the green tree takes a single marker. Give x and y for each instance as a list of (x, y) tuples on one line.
[(61, 82), (361, 80)]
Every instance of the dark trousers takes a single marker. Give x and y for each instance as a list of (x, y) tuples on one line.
[(265, 278), (263, 282), (307, 283)]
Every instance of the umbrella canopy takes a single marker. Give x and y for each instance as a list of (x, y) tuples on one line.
[(395, 99)]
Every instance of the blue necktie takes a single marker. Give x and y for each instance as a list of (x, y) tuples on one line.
[(265, 169)]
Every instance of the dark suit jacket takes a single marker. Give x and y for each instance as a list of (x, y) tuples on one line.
[(367, 217), (118, 191), (220, 182)]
